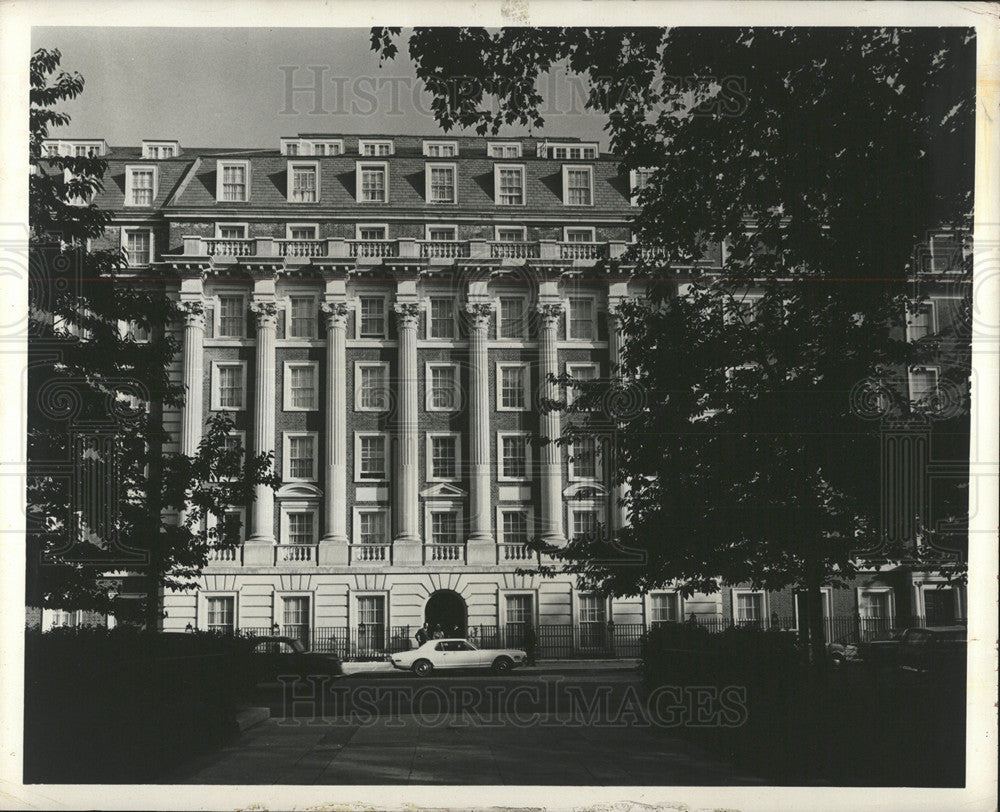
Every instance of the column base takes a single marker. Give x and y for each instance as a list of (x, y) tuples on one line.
[(333, 551), (258, 552), (481, 551), (407, 551)]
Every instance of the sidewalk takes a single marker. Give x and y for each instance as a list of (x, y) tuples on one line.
[(541, 666)]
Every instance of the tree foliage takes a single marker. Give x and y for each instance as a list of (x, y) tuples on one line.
[(823, 158), (103, 497)]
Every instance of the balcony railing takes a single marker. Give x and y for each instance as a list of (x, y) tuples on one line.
[(515, 553), (301, 248), (371, 553), (444, 249), (223, 555), (372, 249), (294, 553), (218, 247), (582, 250), (445, 553), (514, 250)]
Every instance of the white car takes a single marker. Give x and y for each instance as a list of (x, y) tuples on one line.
[(452, 652)]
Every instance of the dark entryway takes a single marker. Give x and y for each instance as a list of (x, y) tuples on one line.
[(447, 609), (939, 606)]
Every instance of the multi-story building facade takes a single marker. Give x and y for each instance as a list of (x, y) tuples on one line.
[(383, 314)]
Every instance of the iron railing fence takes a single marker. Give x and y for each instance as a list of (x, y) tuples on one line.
[(569, 641)]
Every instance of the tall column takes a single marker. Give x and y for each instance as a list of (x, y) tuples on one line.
[(333, 545), (192, 415), (551, 468), (619, 514), (262, 526), (481, 547), (406, 545)]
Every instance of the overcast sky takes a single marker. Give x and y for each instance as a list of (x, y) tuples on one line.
[(217, 87)]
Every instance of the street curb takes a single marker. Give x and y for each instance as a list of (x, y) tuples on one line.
[(246, 718)]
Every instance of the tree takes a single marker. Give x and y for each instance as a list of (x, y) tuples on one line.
[(821, 158), (102, 496)]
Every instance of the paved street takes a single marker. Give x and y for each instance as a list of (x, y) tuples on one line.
[(545, 726)]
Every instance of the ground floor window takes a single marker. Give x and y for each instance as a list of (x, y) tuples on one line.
[(663, 608), (371, 622), (749, 607), (519, 609), (593, 621), (220, 614), (295, 617)]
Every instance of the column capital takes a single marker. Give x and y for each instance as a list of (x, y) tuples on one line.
[(408, 314), (479, 314), (336, 314), (194, 313), (550, 313), (266, 312)]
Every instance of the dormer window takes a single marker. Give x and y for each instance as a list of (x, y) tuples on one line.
[(232, 181), (303, 182), (160, 149), (292, 149), (503, 149), (440, 149), (568, 151), (140, 185), (328, 148), (371, 148)]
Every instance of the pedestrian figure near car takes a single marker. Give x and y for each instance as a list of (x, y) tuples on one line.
[(456, 631), (530, 643), (438, 632), (423, 634)]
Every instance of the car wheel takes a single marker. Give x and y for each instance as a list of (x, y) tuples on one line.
[(502, 665), (422, 668)]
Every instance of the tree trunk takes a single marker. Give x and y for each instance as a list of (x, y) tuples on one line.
[(814, 613)]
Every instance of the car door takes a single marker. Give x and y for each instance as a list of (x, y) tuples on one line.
[(463, 655), (441, 654)]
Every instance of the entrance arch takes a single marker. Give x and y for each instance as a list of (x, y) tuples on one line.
[(446, 608)]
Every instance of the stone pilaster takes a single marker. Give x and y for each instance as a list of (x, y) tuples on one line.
[(333, 545), (406, 544), (551, 454), (257, 550), (481, 548), (192, 417)]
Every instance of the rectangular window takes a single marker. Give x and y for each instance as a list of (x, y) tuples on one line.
[(920, 323), (138, 245), (441, 233), (232, 317), (593, 609), (142, 186), (441, 183), (519, 609), (874, 604), (302, 232), (584, 458), (295, 618), (513, 456), (501, 150), (515, 526), (442, 318), (371, 622), (233, 182), (230, 382), (304, 185), (581, 318), (301, 526), (443, 392), (231, 232), (663, 608), (513, 387), (579, 234), (133, 331), (581, 374), (923, 385), (220, 614), (371, 527), (584, 523), (374, 148), (749, 607), (79, 152), (512, 320), (639, 179), (291, 149), (373, 387), (444, 456), (301, 317), (300, 380), (444, 527), (372, 183), (578, 184), (328, 148), (510, 234), (440, 149), (371, 452), (372, 321), (509, 182), (371, 234), (301, 456)]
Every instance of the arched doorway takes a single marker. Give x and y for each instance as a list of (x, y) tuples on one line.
[(447, 609)]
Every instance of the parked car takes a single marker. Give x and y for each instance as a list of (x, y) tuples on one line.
[(918, 649), (272, 657), (457, 653)]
